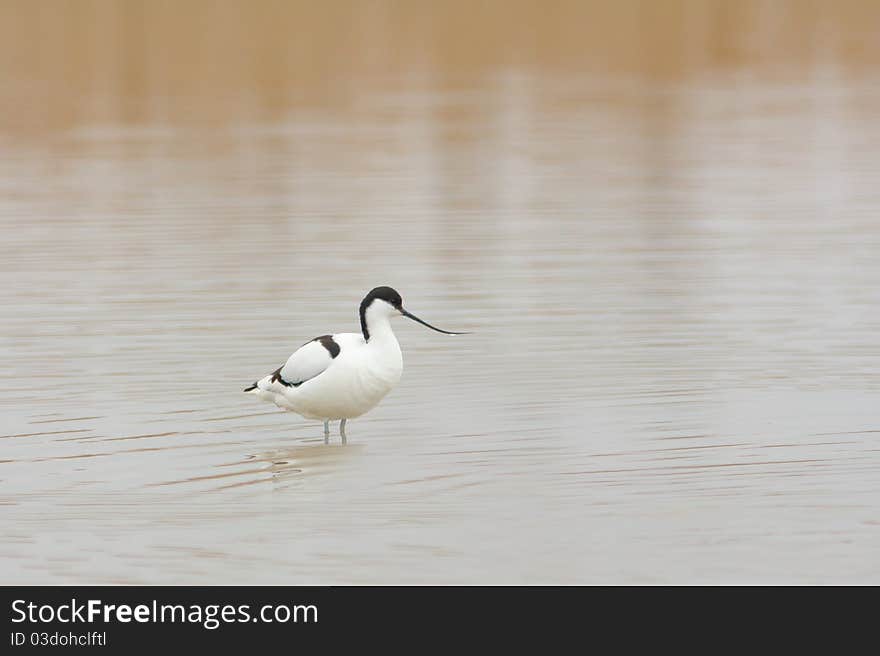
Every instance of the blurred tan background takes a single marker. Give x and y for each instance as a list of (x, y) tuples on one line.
[(204, 62)]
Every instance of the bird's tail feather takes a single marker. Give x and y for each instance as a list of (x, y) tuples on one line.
[(250, 388)]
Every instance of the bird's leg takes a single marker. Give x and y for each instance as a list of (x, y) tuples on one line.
[(342, 430), (326, 431)]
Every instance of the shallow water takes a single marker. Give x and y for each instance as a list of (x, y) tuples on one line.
[(668, 255)]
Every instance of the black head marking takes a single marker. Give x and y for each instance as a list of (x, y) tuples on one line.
[(386, 294)]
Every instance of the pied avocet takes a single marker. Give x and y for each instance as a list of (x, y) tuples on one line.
[(342, 376)]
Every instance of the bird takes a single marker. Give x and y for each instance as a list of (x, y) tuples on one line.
[(342, 376)]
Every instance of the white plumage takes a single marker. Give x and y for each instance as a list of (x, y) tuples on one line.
[(342, 376)]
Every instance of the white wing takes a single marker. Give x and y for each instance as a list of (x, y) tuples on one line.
[(308, 361)]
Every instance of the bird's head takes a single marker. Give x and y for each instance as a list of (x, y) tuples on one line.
[(384, 303)]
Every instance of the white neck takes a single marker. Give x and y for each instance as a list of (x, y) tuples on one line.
[(378, 322), (380, 331)]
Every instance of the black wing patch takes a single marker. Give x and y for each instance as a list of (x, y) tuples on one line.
[(328, 343), (277, 378)]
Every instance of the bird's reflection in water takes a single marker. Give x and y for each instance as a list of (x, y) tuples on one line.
[(313, 457)]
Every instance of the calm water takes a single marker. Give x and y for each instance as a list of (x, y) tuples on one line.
[(668, 255)]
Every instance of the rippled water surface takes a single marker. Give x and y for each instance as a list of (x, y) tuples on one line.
[(664, 240)]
